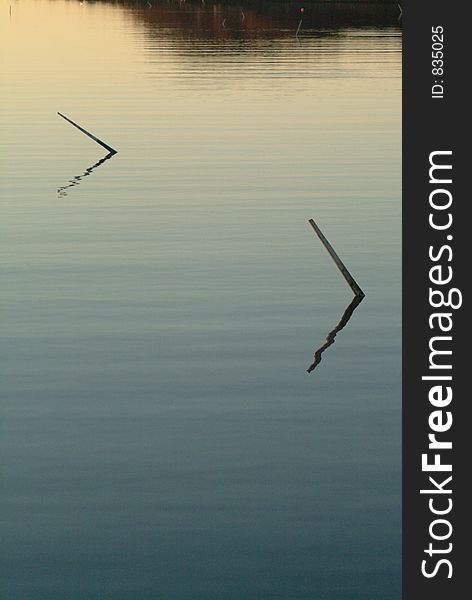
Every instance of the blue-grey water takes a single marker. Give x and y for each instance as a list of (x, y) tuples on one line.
[(160, 436)]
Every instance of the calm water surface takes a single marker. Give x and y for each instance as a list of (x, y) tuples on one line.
[(161, 438)]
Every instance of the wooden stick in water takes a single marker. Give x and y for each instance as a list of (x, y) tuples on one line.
[(302, 10), (339, 263), (90, 135)]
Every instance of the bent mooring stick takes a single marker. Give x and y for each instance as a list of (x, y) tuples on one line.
[(90, 135), (339, 263)]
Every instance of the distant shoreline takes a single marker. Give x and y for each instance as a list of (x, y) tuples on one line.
[(294, 3), (262, 15)]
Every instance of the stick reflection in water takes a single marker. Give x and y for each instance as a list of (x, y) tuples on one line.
[(62, 191), (332, 334)]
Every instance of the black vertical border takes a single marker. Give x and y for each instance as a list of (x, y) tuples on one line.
[(428, 125)]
